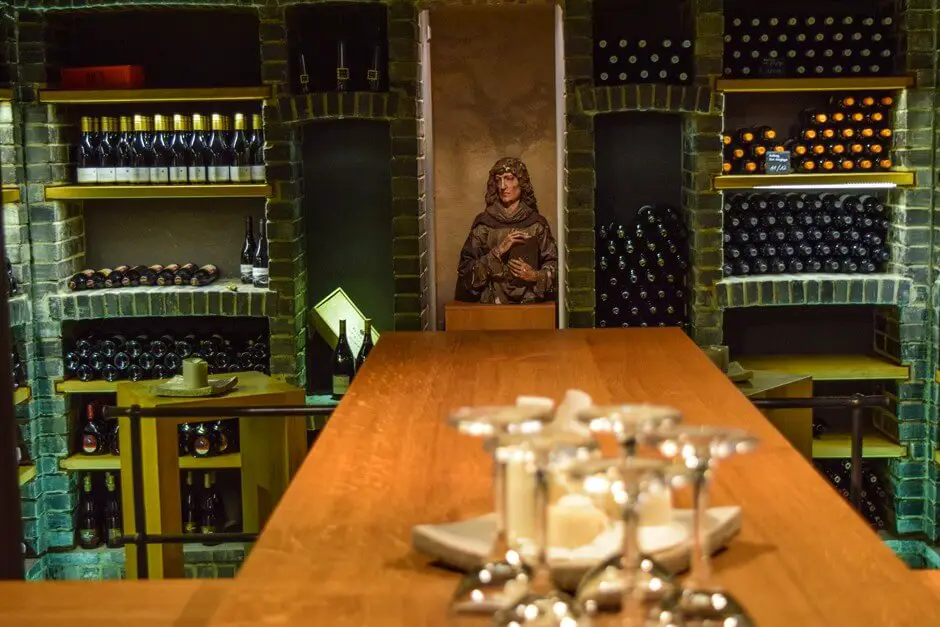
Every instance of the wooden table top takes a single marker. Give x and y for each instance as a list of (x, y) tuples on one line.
[(337, 550)]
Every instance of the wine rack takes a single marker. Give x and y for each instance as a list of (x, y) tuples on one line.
[(622, 60), (874, 496)]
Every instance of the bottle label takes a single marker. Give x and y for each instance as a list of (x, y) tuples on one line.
[(218, 174), (189, 527), (240, 173), (178, 174), (89, 444), (124, 175), (142, 175), (207, 529), (114, 534), (106, 176), (259, 277), (340, 384), (159, 175), (223, 443), (258, 174), (247, 273), (86, 175), (201, 446), (197, 174), (89, 537)]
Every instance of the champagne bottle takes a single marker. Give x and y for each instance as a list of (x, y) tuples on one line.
[(190, 506), (79, 281), (142, 150), (113, 529), (177, 151), (184, 274), (89, 533), (132, 276), (167, 275), (149, 275), (239, 155), (197, 153), (86, 172), (256, 150), (204, 275), (367, 345), (259, 269), (160, 164), (343, 365), (116, 277), (218, 164), (104, 154), (248, 253)]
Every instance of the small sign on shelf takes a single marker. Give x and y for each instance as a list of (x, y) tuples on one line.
[(777, 162)]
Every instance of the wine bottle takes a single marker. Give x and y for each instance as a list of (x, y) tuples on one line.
[(190, 506), (125, 156), (89, 532), (367, 345), (86, 172), (223, 438), (217, 154), (184, 274), (202, 441), (197, 153), (143, 151), (204, 275), (372, 74), (160, 161), (256, 150), (104, 154), (148, 276), (259, 268), (239, 154), (212, 518), (113, 530), (115, 278), (343, 365), (177, 151), (167, 275), (79, 281), (342, 72), (94, 432)]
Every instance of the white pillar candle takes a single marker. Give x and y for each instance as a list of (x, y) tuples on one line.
[(520, 499), (574, 522), (195, 372), (657, 507)]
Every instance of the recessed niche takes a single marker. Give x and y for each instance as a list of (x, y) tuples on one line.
[(348, 224), (325, 38), (176, 47)]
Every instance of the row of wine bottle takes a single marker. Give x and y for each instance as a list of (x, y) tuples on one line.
[(142, 357), (793, 233), (162, 150), (621, 60), (808, 46), (134, 276), (874, 497), (209, 439)]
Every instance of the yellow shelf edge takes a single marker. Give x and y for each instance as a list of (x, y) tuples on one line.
[(203, 94), (90, 462), (6, 95), (229, 460), (751, 181), (27, 473), (839, 446), (829, 367), (91, 192), (74, 386), (22, 395), (11, 194), (936, 457), (765, 85)]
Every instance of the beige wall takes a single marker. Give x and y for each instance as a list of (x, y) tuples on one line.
[(493, 95)]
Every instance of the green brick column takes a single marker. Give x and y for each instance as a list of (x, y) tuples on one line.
[(284, 210), (701, 161), (57, 232), (579, 174), (409, 247)]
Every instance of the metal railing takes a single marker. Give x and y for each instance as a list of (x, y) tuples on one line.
[(139, 520), (857, 404)]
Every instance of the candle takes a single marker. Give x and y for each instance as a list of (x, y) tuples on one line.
[(195, 372), (574, 521), (520, 498)]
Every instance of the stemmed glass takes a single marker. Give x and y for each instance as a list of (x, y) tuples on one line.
[(503, 576), (629, 482), (542, 605), (629, 573), (701, 601)]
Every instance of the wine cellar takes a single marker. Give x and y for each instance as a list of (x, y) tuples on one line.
[(762, 177)]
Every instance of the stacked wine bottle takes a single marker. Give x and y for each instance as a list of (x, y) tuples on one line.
[(621, 60), (641, 271), (135, 276), (159, 357), (809, 46), (874, 496), (852, 134), (793, 233)]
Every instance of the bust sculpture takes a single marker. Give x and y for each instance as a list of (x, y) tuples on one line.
[(510, 256)]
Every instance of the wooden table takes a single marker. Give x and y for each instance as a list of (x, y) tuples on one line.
[(337, 549)]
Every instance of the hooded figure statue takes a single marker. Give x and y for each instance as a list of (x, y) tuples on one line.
[(510, 255)]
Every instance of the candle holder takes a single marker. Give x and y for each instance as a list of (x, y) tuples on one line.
[(698, 448), (503, 576)]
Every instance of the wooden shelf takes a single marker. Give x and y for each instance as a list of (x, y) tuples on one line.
[(113, 462), (199, 94), (21, 395), (90, 192), (74, 386), (839, 179), (828, 367), (11, 194), (764, 85), (839, 446), (27, 474), (6, 95), (90, 462)]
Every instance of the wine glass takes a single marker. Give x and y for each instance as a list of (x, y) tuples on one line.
[(503, 575), (542, 605), (630, 424), (701, 601), (629, 482)]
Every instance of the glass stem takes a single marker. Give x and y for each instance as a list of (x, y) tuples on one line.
[(501, 541), (631, 596), (541, 578), (629, 447), (700, 574)]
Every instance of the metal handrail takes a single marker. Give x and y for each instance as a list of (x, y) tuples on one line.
[(141, 538), (856, 403)]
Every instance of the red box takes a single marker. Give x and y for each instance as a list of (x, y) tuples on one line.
[(103, 77)]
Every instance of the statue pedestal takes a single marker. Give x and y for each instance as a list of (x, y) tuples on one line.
[(479, 317)]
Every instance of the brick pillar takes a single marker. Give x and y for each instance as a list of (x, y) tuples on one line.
[(409, 200), (579, 175)]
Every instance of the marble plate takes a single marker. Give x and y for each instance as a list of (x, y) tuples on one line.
[(176, 387)]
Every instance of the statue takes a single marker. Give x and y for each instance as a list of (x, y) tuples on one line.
[(510, 256)]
